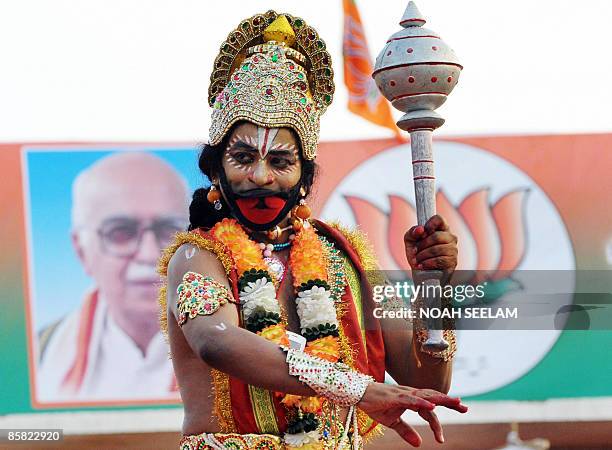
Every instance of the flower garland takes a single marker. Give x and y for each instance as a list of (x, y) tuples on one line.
[(315, 309)]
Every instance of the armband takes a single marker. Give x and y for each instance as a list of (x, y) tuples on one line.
[(335, 381), (199, 296)]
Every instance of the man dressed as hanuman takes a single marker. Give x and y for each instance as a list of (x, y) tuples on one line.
[(269, 311)]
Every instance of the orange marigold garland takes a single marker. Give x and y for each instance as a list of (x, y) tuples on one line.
[(246, 253), (306, 259), (314, 304)]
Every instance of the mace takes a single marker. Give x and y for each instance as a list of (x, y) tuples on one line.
[(415, 71)]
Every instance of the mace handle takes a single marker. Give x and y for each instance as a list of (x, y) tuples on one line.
[(425, 195)]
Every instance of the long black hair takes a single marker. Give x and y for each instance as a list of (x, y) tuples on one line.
[(202, 213)]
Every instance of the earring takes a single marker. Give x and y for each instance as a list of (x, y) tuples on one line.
[(301, 213), (214, 196)]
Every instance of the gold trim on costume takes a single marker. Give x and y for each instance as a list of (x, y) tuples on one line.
[(231, 441), (223, 402), (362, 246), (263, 410), (355, 287)]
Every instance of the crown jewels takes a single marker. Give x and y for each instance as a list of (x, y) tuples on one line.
[(274, 71)]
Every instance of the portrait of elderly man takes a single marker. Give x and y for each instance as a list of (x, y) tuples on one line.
[(125, 208)]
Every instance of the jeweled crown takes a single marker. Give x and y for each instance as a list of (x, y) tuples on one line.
[(273, 77)]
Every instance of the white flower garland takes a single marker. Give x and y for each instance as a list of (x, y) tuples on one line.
[(259, 294), (303, 438), (315, 307)]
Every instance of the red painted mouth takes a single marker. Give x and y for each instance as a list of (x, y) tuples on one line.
[(261, 210)]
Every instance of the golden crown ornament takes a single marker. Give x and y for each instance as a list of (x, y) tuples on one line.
[(274, 71)]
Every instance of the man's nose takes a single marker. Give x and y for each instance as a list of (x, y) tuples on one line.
[(262, 175), (148, 250)]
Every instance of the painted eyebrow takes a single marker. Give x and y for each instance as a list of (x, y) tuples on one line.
[(244, 146), (283, 152)]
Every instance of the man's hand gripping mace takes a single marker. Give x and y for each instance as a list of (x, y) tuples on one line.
[(416, 71)]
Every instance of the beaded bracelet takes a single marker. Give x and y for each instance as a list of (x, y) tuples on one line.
[(335, 381)]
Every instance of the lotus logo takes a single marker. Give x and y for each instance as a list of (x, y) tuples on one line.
[(492, 237), (506, 226)]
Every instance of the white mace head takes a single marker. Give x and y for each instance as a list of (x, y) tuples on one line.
[(415, 71)]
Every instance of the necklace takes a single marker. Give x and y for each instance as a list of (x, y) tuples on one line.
[(274, 263), (314, 305)]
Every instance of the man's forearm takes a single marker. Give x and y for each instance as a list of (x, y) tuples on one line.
[(429, 372), (249, 357)]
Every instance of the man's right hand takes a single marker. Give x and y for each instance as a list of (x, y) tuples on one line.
[(386, 403)]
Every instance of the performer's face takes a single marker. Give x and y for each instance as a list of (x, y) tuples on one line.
[(130, 208), (260, 163)]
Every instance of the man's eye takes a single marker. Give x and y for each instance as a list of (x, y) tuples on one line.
[(280, 163), (121, 234), (243, 157)]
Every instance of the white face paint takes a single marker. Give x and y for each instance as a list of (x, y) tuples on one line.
[(221, 326), (268, 155), (265, 145), (190, 252), (265, 137)]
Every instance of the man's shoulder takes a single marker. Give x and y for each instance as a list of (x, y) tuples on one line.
[(58, 332), (194, 239), (351, 240)]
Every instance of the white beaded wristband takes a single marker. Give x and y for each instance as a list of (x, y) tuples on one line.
[(335, 381)]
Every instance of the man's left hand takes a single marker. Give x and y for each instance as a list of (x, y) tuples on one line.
[(432, 247)]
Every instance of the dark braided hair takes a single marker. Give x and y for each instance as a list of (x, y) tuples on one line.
[(202, 214)]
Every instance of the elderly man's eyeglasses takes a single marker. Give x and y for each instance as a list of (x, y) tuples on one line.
[(122, 236)]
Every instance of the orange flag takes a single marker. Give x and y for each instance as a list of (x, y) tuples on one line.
[(364, 97)]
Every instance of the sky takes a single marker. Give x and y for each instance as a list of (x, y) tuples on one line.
[(138, 70)]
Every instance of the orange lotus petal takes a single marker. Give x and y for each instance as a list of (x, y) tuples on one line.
[(327, 348), (510, 220), (476, 212), (402, 216), (467, 257), (375, 224)]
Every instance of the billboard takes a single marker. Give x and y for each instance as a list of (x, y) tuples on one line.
[(516, 203)]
